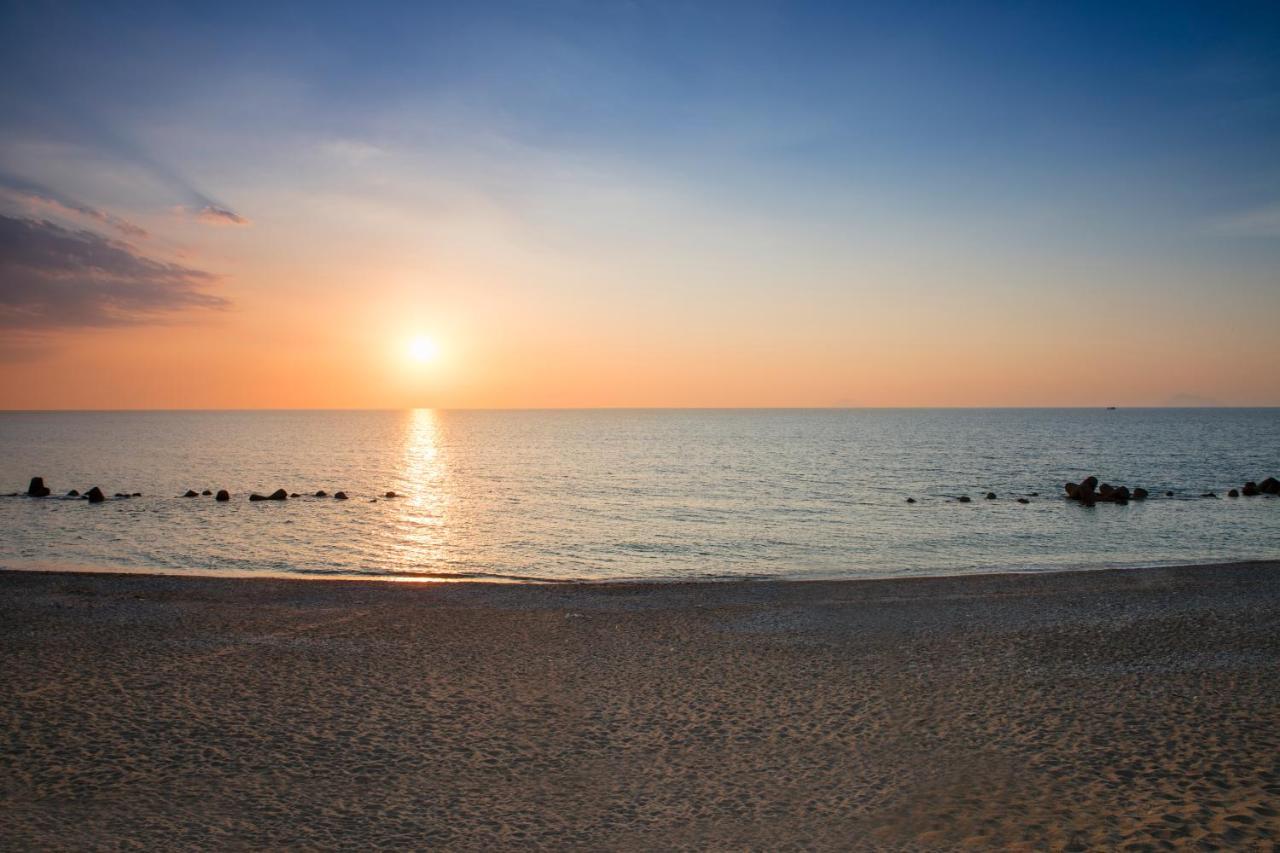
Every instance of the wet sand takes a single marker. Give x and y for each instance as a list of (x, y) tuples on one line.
[(1135, 709)]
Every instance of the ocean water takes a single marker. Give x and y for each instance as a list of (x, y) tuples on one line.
[(625, 494)]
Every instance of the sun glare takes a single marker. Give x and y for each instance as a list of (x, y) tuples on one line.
[(423, 350)]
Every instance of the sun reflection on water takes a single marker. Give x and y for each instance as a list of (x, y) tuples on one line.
[(423, 517)]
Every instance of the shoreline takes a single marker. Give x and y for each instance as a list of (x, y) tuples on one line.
[(1087, 709), (428, 578)]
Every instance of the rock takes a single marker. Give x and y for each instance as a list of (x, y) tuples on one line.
[(911, 500), (964, 499), (1140, 494), (1269, 486), (1120, 494), (1233, 494), (373, 500), (991, 496), (121, 495), (277, 495), (206, 492), (95, 495), (294, 494), (1023, 501), (222, 495), (1250, 490), (73, 494), (1033, 494), (339, 496), (1073, 490), (390, 495), (37, 488), (191, 493), (1208, 495), (322, 494), (1168, 494)]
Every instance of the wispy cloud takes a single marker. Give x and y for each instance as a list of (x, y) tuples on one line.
[(53, 277), (217, 215), (1258, 222), (30, 191)]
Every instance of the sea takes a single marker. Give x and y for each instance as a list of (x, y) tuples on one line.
[(620, 495)]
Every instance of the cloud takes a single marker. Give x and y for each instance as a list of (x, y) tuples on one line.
[(57, 278), (30, 191), (1259, 222), (216, 215)]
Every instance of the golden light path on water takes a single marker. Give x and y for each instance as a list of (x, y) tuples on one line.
[(423, 521)]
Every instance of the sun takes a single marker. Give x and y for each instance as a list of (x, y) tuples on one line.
[(423, 349)]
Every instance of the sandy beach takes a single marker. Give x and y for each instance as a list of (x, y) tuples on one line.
[(1121, 709)]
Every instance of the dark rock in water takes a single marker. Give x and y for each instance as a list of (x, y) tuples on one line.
[(373, 500), (1250, 490), (389, 495), (255, 497), (1073, 490), (121, 495), (73, 494), (206, 492), (1168, 494), (294, 494), (191, 493), (37, 488), (137, 494), (1233, 494), (991, 496), (322, 494), (1120, 494), (339, 496), (1023, 501), (1091, 483), (1208, 495), (1269, 486), (1140, 494), (277, 495), (964, 499), (222, 495), (95, 495), (1033, 494), (911, 500), (1105, 490)]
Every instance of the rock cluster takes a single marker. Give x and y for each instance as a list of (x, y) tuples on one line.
[(277, 495), (1089, 492)]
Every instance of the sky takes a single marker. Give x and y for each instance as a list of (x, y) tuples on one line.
[(605, 203)]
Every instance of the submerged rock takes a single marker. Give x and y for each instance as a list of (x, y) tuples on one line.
[(1168, 494), (222, 495), (206, 492), (277, 495), (1269, 486), (95, 495), (1140, 494), (1233, 494), (390, 495), (964, 499), (1208, 495), (1250, 489), (339, 496), (322, 494), (37, 489), (294, 495), (191, 493), (911, 500), (73, 494), (991, 496), (1023, 501)]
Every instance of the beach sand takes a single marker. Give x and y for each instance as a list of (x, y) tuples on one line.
[(1115, 709)]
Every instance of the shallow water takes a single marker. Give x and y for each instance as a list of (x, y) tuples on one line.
[(614, 494)]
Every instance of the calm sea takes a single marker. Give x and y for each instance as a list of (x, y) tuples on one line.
[(664, 494)]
